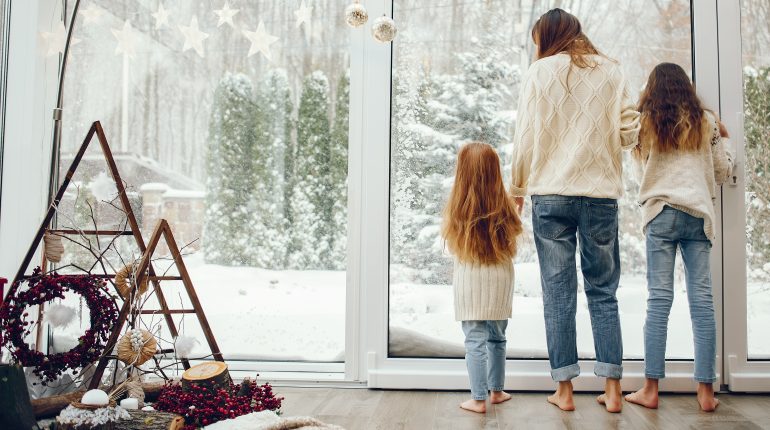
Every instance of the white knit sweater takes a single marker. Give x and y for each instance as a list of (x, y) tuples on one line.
[(483, 292), (571, 127), (685, 180)]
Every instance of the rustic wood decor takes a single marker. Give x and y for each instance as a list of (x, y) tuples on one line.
[(16, 410), (162, 229), (210, 375), (133, 230)]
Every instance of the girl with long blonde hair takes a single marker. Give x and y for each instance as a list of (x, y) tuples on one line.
[(481, 226), (682, 159)]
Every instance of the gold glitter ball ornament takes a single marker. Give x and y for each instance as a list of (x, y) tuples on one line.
[(356, 15), (384, 29)]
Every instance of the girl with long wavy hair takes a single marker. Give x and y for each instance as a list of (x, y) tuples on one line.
[(574, 120), (481, 227), (682, 159)]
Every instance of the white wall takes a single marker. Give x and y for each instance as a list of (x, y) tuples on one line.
[(30, 98)]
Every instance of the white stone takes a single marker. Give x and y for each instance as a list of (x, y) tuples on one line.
[(95, 398)]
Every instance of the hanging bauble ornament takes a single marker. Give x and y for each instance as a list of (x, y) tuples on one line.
[(356, 15), (384, 29)]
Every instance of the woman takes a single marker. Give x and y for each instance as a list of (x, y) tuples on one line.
[(683, 159), (575, 117)]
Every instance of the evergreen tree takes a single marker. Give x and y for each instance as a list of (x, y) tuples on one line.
[(339, 175), (311, 204), (230, 165), (272, 124)]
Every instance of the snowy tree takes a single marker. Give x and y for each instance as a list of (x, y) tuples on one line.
[(231, 179), (757, 129), (338, 173), (311, 202), (272, 126)]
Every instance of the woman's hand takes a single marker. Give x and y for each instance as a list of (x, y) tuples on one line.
[(519, 204), (722, 130)]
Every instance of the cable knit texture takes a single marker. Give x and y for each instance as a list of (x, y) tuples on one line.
[(571, 128), (686, 181), (483, 292)]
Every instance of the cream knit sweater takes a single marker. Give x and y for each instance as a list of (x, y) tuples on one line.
[(571, 127), (483, 292), (685, 180)]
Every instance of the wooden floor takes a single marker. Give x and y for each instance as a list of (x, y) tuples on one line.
[(359, 409)]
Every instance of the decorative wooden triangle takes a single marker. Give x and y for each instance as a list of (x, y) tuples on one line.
[(133, 225), (162, 229)]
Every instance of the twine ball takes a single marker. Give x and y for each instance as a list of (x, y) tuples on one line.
[(53, 247), (122, 279), (356, 15), (136, 347), (384, 29)]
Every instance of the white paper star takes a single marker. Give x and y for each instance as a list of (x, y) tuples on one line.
[(126, 42), (161, 17), (303, 14), (91, 14), (226, 15), (57, 39), (260, 41), (193, 37)]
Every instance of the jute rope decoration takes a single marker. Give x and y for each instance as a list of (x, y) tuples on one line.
[(135, 391), (125, 275), (136, 347), (54, 249)]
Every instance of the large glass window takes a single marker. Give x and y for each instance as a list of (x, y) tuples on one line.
[(230, 120), (756, 78), (457, 68)]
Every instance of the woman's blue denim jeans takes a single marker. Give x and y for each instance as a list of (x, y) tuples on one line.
[(672, 228), (560, 223), (485, 356)]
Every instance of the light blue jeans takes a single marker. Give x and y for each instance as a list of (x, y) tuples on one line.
[(672, 228), (559, 224), (485, 356)]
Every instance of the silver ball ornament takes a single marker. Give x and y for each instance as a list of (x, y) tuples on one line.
[(384, 29), (356, 14)]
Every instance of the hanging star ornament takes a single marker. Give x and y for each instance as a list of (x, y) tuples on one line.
[(193, 37), (90, 15), (161, 17), (226, 15), (303, 14), (126, 40), (260, 40), (57, 39)]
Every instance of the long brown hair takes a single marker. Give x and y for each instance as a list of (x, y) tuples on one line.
[(559, 31), (672, 113), (481, 224)]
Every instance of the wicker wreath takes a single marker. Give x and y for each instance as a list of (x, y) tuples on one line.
[(44, 288), (130, 354), (123, 277)]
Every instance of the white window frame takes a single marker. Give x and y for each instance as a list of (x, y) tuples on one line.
[(523, 374), (742, 374)]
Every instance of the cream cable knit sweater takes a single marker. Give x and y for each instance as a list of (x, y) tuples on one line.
[(483, 292), (685, 180), (571, 128)]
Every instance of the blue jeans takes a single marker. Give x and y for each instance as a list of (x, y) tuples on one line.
[(485, 343), (672, 228), (559, 224)]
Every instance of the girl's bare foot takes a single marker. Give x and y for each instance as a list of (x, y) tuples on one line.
[(563, 396), (472, 405), (706, 398), (647, 396), (499, 397), (611, 399)]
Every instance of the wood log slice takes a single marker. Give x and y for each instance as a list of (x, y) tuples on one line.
[(151, 420), (213, 374), (15, 407)]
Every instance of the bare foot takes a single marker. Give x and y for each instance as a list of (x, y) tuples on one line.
[(472, 405), (499, 397), (706, 398), (563, 396), (611, 399), (647, 396)]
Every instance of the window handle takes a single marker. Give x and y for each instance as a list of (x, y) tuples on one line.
[(738, 147)]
